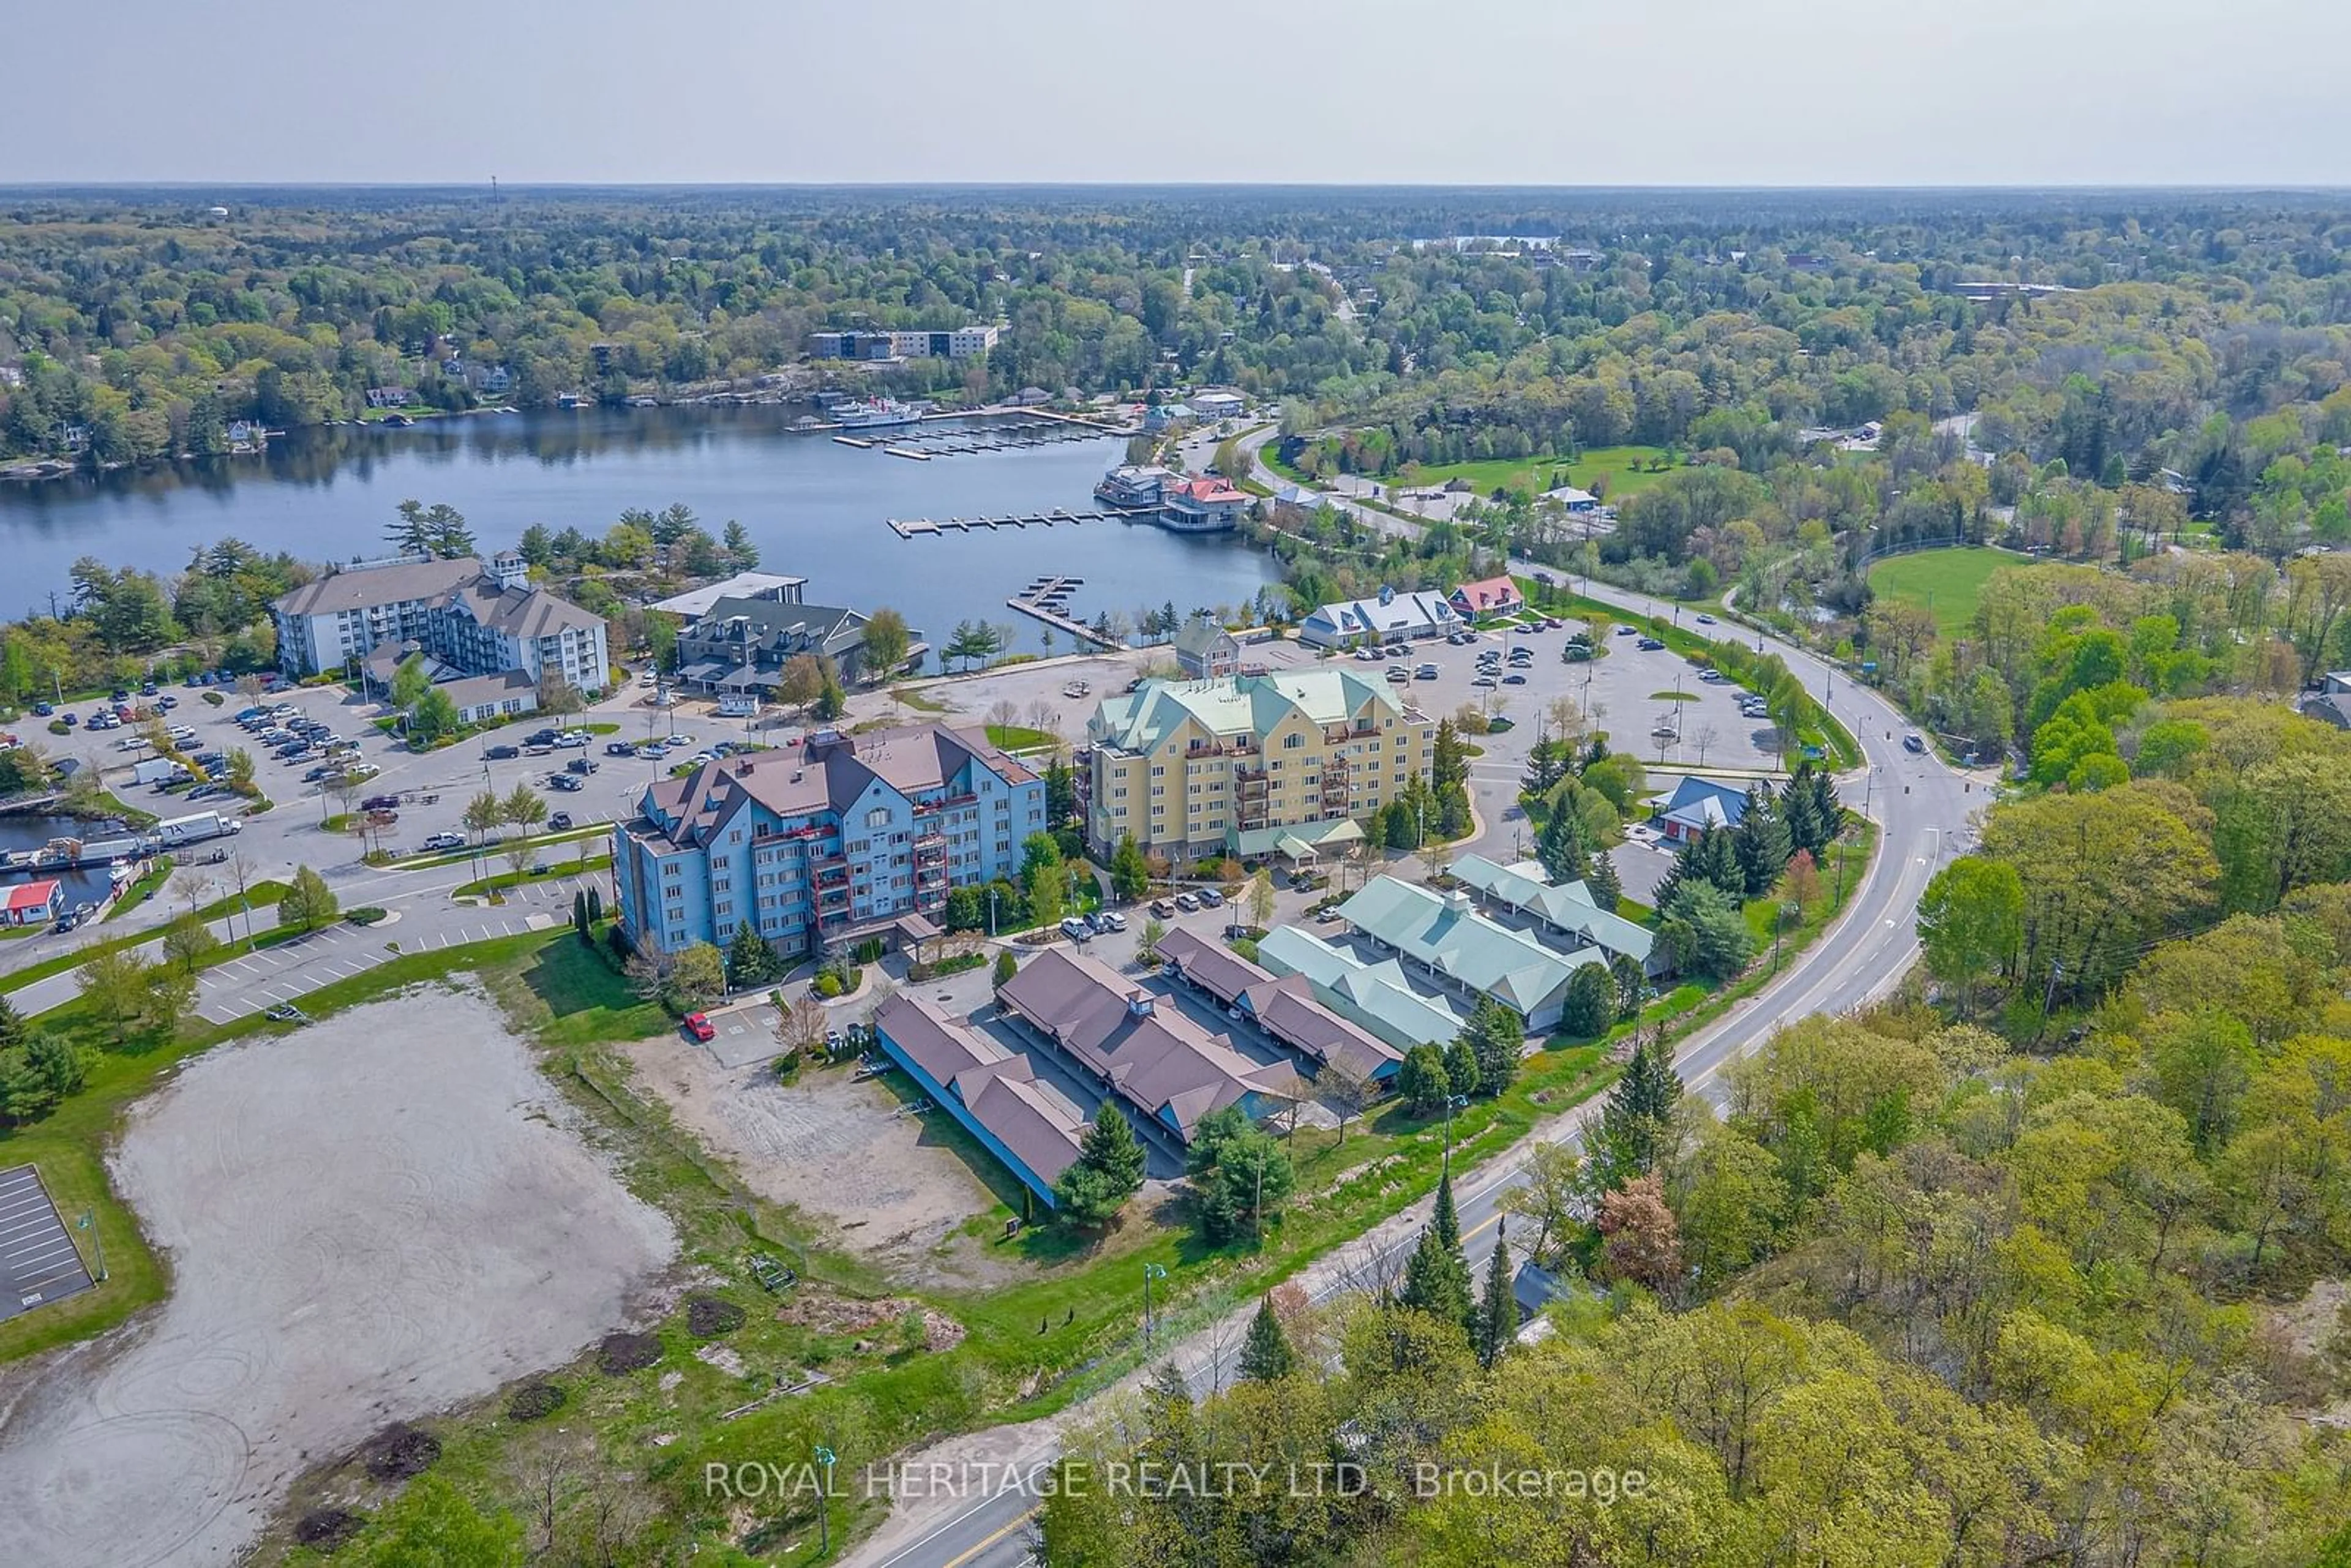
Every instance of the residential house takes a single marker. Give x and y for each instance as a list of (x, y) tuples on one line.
[(493, 699), (1697, 804), (1282, 1005), (1232, 767), (991, 1091), (1442, 935), (1139, 1048), (1488, 597), (1391, 617), (390, 397), (1206, 650), (841, 838)]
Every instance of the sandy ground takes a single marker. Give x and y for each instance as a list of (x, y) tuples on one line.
[(375, 1217), (837, 1151)]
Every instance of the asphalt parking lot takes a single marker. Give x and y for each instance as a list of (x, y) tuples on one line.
[(37, 1260)]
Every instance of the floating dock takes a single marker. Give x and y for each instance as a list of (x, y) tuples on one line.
[(907, 451), (1048, 598), (910, 527), (853, 441)]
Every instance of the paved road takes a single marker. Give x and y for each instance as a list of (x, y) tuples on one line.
[(1923, 810)]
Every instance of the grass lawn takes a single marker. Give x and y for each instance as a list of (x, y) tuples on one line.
[(1950, 582), (1020, 737), (1622, 466), (506, 879), (140, 891), (259, 895)]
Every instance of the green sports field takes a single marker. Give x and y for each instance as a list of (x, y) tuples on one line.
[(1948, 582)]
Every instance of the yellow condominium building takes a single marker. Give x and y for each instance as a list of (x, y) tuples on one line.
[(1253, 766)]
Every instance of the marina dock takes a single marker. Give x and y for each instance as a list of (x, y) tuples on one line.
[(910, 527), (1048, 599)]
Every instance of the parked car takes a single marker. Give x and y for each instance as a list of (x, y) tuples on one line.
[(1075, 929), (43, 710), (1162, 910), (1706, 620), (502, 753), (1211, 899), (1626, 631), (1486, 681), (1514, 680), (324, 770), (1187, 902), (698, 1025), (444, 841), (619, 748), (581, 765), (558, 822), (565, 782), (1649, 645), (379, 803), (1109, 920)]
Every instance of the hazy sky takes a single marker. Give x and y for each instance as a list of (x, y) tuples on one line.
[(1564, 92)]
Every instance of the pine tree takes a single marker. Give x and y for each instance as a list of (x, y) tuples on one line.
[(1714, 859), (1497, 1314), (1561, 847), (1602, 882), (1436, 1281), (12, 1025), (1266, 1355), (1762, 843), (1446, 1220), (595, 906), (579, 915), (1107, 1172), (1495, 1038), (1634, 1120), (1447, 763)]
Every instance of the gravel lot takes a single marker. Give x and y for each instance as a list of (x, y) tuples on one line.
[(363, 1225), (836, 1150)]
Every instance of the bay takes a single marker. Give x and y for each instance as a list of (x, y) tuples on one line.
[(816, 509)]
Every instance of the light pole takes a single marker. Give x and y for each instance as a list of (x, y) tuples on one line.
[(1150, 1272), (1452, 1102), (826, 1457), (89, 1221)]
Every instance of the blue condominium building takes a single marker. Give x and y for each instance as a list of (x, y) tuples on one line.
[(841, 838)]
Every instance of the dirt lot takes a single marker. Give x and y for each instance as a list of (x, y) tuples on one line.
[(836, 1151), (358, 1218)]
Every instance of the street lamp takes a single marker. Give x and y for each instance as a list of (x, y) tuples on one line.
[(1452, 1102), (89, 1221), (826, 1457), (1150, 1272)]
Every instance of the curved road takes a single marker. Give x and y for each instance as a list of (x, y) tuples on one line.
[(1922, 808)]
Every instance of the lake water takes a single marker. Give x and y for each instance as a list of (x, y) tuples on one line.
[(816, 509), (29, 831)]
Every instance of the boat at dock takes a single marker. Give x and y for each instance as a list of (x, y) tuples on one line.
[(876, 414)]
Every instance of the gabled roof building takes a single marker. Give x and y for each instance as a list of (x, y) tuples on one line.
[(994, 1093), (1388, 617), (1141, 1048), (1441, 934), (1284, 1006), (1697, 804), (1563, 911), (841, 838)]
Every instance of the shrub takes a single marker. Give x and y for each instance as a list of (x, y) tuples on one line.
[(787, 1067), (365, 914), (59, 726), (625, 1352), (828, 985), (214, 698), (398, 1452), (708, 1317), (327, 1529), (535, 1402)]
